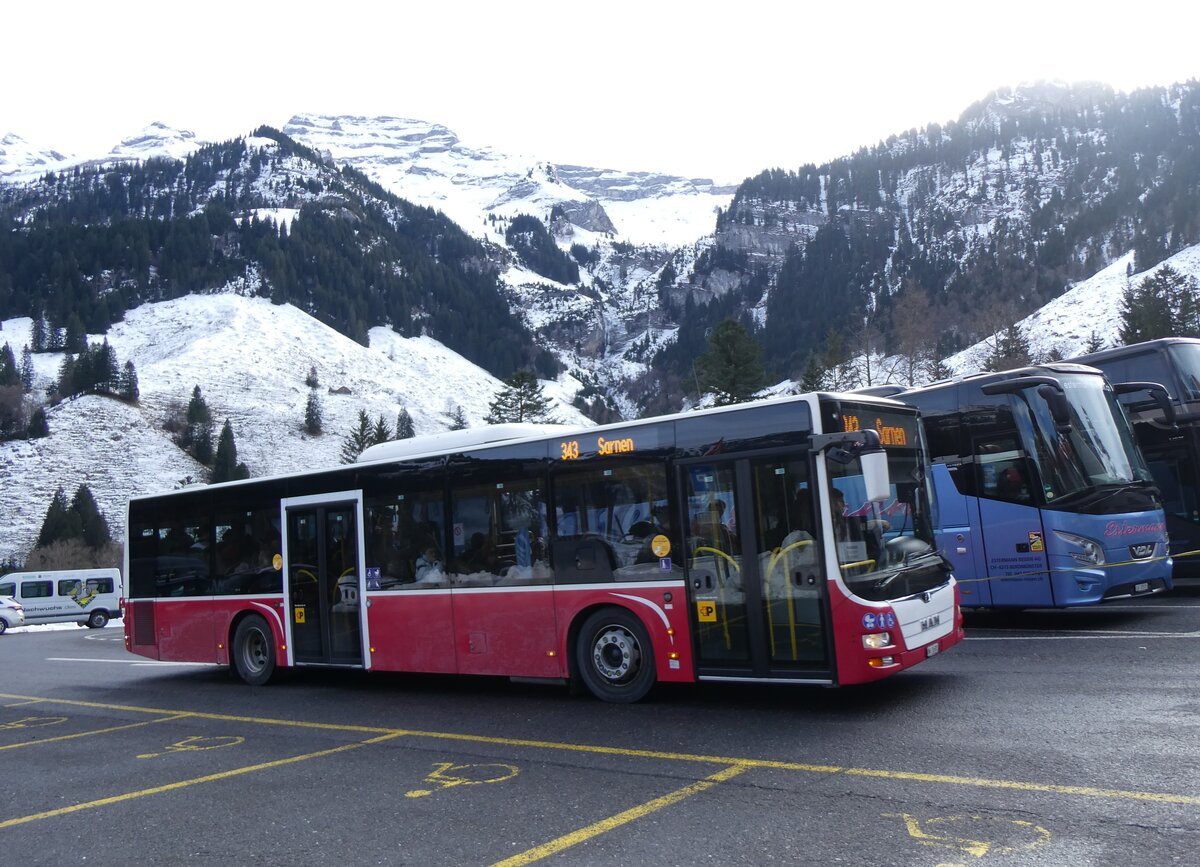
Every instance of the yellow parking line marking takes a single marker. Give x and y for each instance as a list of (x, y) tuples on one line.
[(88, 734), (183, 784), (1050, 788), (802, 767), (594, 830)]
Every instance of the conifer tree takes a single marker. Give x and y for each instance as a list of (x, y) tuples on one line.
[(60, 521), (732, 368), (1094, 343), (198, 437), (9, 374), (380, 433), (312, 380), (38, 426), (404, 425), (127, 384), (93, 525), (1011, 350), (225, 464), (26, 369), (38, 338), (314, 416), (457, 418), (521, 399), (358, 439)]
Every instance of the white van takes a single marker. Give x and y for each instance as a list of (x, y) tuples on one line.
[(89, 597)]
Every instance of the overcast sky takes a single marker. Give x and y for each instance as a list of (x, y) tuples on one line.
[(703, 89)]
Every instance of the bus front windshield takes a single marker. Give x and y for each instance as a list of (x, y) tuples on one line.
[(1098, 451), (1187, 360), (885, 550)]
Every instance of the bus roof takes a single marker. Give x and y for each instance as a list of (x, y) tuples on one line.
[(473, 439), (1132, 349), (982, 377)]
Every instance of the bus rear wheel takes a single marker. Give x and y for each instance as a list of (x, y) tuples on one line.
[(614, 655), (254, 651)]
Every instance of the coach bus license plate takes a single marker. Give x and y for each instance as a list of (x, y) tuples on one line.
[(931, 650), (1142, 587)]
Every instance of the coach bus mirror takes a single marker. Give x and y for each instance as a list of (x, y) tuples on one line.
[(1060, 409), (875, 476), (1161, 396)]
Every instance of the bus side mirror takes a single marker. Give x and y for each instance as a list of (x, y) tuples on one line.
[(875, 476), (1162, 397), (1060, 409)]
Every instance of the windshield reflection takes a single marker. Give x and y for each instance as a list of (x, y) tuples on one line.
[(1187, 359), (1099, 450), (879, 543)]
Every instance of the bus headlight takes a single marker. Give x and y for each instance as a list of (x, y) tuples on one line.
[(877, 639), (1083, 550)]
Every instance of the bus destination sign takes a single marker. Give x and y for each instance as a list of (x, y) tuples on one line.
[(573, 450), (893, 430)]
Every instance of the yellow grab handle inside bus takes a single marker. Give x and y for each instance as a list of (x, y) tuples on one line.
[(791, 602), (870, 563), (708, 550)]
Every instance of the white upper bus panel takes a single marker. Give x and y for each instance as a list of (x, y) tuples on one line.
[(454, 440)]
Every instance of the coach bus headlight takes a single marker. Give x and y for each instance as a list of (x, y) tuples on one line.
[(1087, 551), (877, 639)]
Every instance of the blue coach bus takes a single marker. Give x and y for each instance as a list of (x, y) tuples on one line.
[(1168, 437), (1043, 497)]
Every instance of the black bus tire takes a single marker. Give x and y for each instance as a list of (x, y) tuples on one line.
[(254, 651), (97, 620), (616, 661)]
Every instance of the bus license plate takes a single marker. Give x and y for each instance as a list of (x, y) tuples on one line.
[(1141, 588), (931, 650)]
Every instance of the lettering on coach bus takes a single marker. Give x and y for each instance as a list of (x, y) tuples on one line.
[(1116, 529)]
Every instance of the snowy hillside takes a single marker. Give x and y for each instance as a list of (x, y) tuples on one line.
[(1068, 322), (250, 359)]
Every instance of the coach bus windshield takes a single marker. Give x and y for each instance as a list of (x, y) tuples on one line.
[(1099, 450), (1187, 359), (885, 550)]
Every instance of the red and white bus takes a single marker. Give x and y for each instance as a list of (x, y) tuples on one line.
[(698, 546)]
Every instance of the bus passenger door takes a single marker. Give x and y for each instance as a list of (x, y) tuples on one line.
[(756, 586), (959, 535), (323, 547), (1014, 538)]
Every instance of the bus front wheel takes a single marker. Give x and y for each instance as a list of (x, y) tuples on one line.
[(615, 659), (254, 651)]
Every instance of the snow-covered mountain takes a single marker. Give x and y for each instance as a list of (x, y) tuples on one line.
[(251, 359), (20, 159), (428, 164)]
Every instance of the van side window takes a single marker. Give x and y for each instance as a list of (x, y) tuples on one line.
[(8, 589), (37, 589), (99, 585), (68, 587)]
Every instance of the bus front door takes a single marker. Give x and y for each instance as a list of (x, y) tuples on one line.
[(758, 594), (323, 587)]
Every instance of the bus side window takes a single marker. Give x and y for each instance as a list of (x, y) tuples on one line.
[(1004, 471)]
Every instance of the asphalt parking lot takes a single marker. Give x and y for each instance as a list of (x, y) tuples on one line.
[(1046, 738)]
